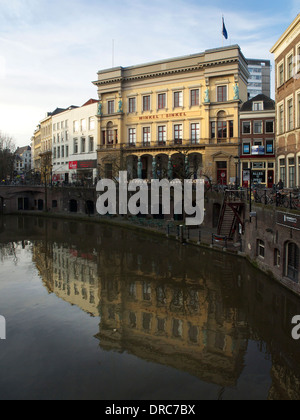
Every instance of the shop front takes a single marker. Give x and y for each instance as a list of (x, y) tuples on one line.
[(84, 172)]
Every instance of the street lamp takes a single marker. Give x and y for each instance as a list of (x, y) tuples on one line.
[(236, 161)]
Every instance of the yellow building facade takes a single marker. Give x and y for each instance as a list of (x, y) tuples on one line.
[(172, 118)]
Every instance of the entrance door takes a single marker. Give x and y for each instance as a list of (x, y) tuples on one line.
[(270, 179), (222, 176)]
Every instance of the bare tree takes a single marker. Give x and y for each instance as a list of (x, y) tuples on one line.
[(7, 156), (46, 174)]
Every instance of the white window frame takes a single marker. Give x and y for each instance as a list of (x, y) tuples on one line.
[(135, 135), (269, 132), (262, 126), (289, 54), (281, 63), (246, 121), (142, 134), (287, 122), (190, 96), (165, 133), (260, 106), (180, 105), (197, 140), (297, 109), (279, 105), (220, 85), (157, 101), (150, 102)]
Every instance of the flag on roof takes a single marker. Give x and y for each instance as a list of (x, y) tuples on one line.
[(224, 31)]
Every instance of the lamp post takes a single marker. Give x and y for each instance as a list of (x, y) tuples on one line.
[(237, 177)]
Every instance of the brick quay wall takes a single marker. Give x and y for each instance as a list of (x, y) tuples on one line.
[(270, 240)]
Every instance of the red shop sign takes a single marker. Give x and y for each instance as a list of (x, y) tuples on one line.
[(73, 165)]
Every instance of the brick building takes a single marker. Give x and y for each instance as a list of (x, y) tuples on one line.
[(287, 88)]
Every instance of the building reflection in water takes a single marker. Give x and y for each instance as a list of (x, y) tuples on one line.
[(184, 307)]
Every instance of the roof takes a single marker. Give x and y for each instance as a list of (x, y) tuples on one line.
[(269, 104), (292, 26), (21, 150), (90, 102)]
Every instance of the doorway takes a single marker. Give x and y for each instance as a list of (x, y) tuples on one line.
[(222, 173), (270, 179)]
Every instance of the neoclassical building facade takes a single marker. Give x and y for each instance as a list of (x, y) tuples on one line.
[(174, 118)]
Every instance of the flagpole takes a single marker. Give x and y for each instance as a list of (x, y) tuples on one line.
[(222, 33)]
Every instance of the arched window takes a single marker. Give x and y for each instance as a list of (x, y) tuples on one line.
[(291, 261)]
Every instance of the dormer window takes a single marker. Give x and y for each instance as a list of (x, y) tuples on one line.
[(257, 106)]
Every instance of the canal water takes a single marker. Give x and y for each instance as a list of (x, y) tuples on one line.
[(100, 312)]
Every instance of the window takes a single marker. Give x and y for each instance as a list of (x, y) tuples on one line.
[(290, 117), (91, 144), (75, 146), (280, 119), (290, 66), (62, 151), (246, 148), (111, 107), (257, 106), (270, 147), (269, 126), (54, 153), (222, 130), (83, 125), (58, 153), (83, 145), (67, 151), (213, 130), (195, 96), (178, 99), (292, 261), (260, 248), (291, 163), (246, 127), (280, 75), (195, 133), (162, 135), (282, 170), (257, 127), (132, 136), (75, 126), (178, 134), (110, 136), (162, 101), (298, 110), (221, 93), (92, 123), (146, 136), (146, 103), (231, 129), (62, 125), (132, 105)]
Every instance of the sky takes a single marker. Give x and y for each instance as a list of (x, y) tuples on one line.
[(51, 51)]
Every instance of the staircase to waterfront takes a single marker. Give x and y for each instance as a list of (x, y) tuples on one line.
[(232, 213)]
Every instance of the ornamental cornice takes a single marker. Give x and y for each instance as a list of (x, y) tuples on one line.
[(165, 73)]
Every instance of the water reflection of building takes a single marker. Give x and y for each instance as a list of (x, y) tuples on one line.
[(174, 321), (72, 275), (183, 307)]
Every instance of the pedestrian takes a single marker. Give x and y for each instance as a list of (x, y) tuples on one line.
[(280, 185)]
